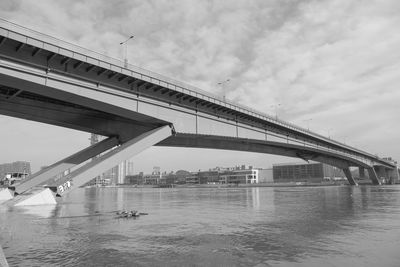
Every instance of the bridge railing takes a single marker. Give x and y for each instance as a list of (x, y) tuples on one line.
[(157, 78)]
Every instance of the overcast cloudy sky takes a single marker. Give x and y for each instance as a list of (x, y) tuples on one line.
[(333, 66)]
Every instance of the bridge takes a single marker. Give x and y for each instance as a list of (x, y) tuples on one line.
[(47, 80)]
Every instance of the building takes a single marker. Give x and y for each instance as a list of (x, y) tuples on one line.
[(156, 170), (136, 179), (115, 175), (109, 177), (265, 176), (181, 176), (14, 167), (12, 173), (247, 176), (300, 172), (157, 178), (153, 178), (234, 175), (238, 177), (196, 178), (211, 176), (129, 170)]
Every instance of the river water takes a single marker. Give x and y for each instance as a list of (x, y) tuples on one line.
[(261, 226)]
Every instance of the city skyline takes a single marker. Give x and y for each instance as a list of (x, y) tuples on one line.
[(333, 72)]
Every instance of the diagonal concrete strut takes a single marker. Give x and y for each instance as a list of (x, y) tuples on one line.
[(373, 176), (112, 158), (349, 177), (3, 260), (101, 164), (5, 194), (44, 175)]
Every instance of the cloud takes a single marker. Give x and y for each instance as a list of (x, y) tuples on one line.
[(331, 58), (335, 62)]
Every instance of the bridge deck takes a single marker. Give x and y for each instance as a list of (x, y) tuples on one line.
[(19, 44)]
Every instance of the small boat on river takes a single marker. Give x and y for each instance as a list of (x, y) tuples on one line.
[(130, 214)]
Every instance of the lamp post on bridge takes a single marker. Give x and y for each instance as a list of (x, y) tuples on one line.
[(329, 133), (276, 106), (308, 123), (125, 44), (223, 88)]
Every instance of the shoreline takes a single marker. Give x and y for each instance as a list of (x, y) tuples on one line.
[(289, 184)]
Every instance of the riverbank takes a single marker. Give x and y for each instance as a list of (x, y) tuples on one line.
[(298, 184), (289, 184)]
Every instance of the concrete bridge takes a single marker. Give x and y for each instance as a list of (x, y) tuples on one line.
[(51, 81)]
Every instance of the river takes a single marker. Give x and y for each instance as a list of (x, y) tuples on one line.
[(259, 226)]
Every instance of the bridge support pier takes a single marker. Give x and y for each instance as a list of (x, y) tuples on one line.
[(393, 175), (349, 177), (44, 196), (112, 158), (44, 175), (3, 260), (373, 176), (105, 162), (380, 172), (361, 172), (5, 194)]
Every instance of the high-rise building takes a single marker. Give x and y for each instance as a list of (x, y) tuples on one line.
[(122, 170), (115, 175), (129, 170)]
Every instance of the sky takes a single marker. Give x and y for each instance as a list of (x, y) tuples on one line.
[(330, 66)]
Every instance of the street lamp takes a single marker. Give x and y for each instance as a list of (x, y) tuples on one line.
[(125, 44), (276, 109), (308, 123), (223, 88), (329, 133)]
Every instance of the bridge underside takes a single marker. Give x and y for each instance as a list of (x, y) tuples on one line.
[(269, 147), (261, 146), (59, 178), (45, 83), (50, 177), (72, 111), (28, 100)]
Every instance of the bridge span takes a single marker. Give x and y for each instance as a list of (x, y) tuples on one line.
[(51, 81)]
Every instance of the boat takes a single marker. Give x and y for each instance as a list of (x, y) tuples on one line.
[(130, 214)]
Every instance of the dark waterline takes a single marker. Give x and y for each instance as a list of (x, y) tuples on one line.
[(308, 226)]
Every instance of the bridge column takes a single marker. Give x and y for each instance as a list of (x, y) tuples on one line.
[(380, 172), (5, 194), (361, 172), (44, 175), (105, 162), (373, 176), (3, 260), (349, 177), (394, 175)]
